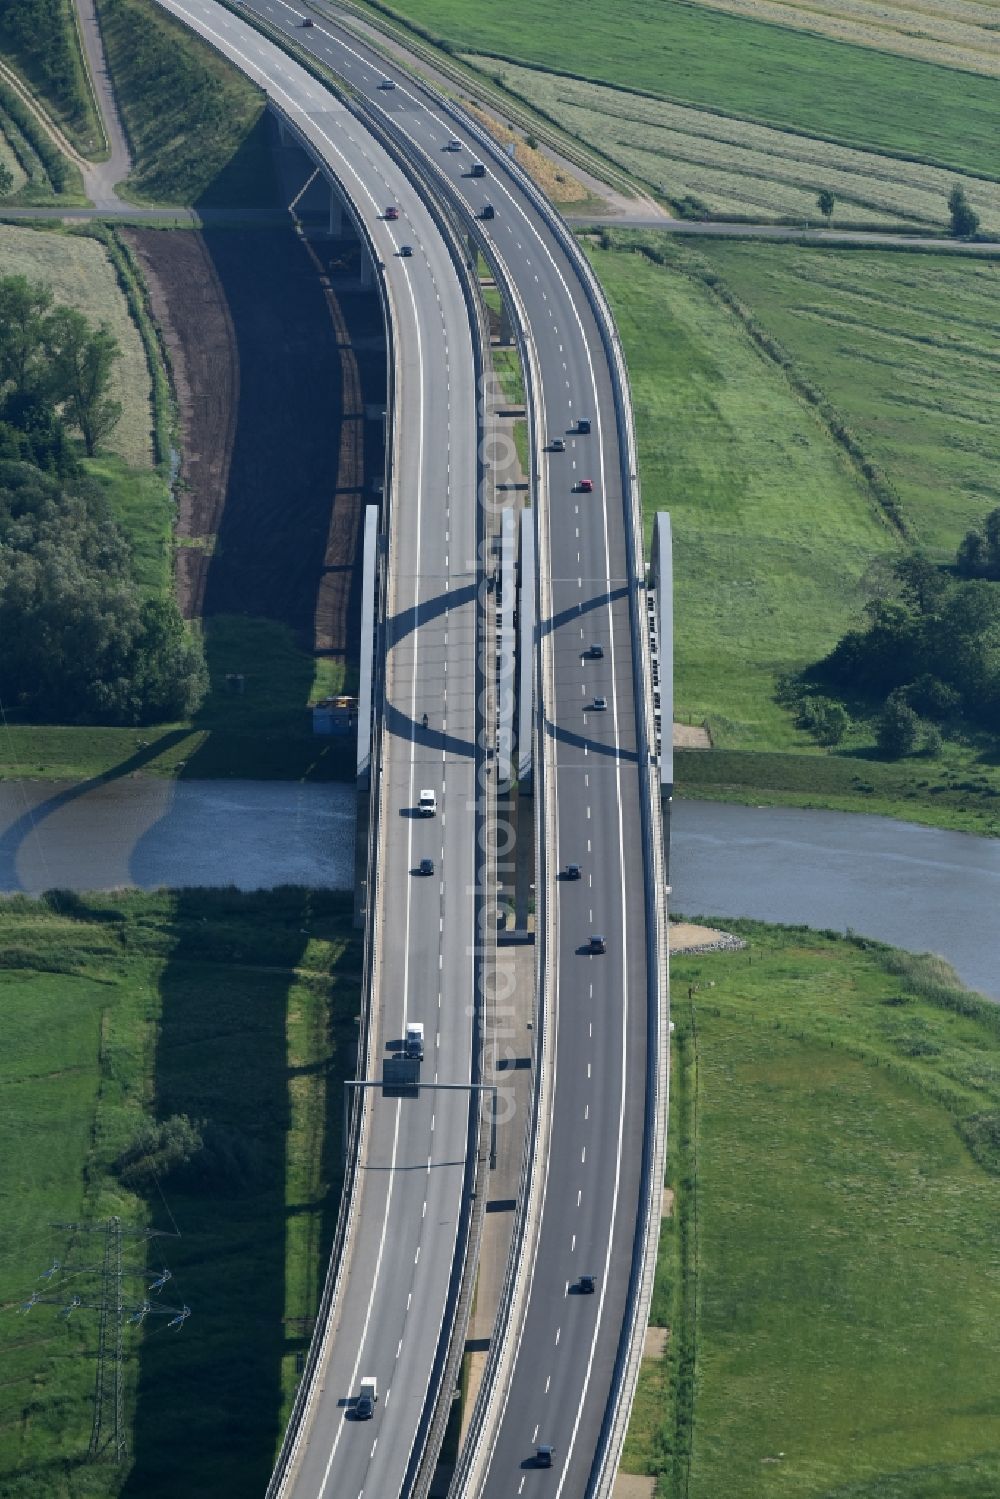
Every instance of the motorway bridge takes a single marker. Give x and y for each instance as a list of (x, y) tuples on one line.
[(563, 1365)]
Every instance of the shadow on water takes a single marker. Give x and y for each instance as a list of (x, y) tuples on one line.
[(13, 836), (241, 1032)]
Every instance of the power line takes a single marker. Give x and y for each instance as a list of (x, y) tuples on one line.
[(101, 1289)]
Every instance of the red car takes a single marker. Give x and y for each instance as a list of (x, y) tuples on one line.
[(586, 486), (392, 213)]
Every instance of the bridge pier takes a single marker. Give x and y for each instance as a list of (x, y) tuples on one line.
[(660, 607), (335, 227)]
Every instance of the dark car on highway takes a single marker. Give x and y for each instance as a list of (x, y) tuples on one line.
[(426, 866), (406, 251), (597, 943), (544, 1456)]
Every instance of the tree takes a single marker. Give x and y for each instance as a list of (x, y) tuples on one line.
[(964, 219), (898, 728), (826, 202), (6, 180), (81, 361), (979, 550), (23, 309)]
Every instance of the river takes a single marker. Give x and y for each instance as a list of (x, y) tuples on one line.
[(917, 888)]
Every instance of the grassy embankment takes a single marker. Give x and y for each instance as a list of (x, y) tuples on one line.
[(194, 124), (775, 526), (828, 1274), (42, 175), (234, 1009), (39, 39)]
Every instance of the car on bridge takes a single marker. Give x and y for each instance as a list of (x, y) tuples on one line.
[(573, 871), (585, 486), (596, 651), (406, 251), (587, 1285), (453, 145), (597, 944), (426, 866), (392, 212), (308, 21), (364, 1406), (387, 83), (599, 705), (557, 445), (583, 425), (544, 1456)]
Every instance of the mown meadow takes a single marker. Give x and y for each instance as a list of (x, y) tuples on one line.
[(712, 164), (828, 1272)]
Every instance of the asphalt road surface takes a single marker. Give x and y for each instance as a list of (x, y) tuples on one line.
[(562, 1374), (388, 1316)]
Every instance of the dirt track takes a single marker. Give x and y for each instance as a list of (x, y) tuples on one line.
[(271, 396)]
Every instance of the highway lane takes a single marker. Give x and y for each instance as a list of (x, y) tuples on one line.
[(388, 1315), (569, 1343)]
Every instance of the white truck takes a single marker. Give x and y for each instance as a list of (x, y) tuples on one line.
[(414, 1043), (427, 804), (364, 1406)]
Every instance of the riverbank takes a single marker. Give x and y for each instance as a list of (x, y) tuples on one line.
[(961, 794), (830, 1151)]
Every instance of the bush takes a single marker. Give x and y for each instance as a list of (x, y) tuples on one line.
[(157, 1149), (898, 728)]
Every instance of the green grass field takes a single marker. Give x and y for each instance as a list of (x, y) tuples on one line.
[(741, 170), (829, 1273), (906, 348), (769, 73), (772, 530), (235, 1009)]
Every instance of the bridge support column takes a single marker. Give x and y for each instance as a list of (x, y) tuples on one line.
[(526, 650), (335, 227), (660, 622)]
